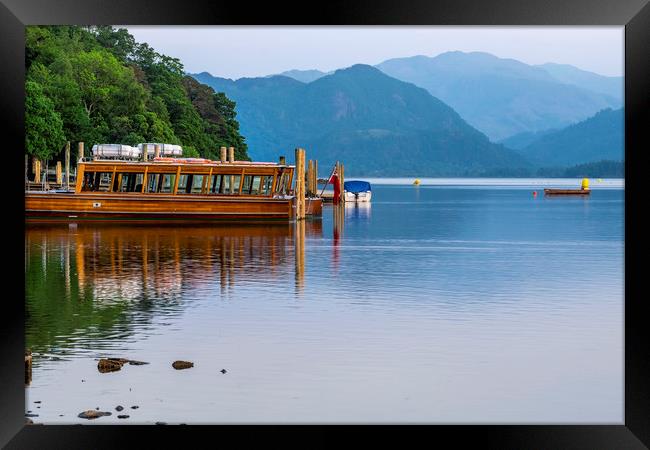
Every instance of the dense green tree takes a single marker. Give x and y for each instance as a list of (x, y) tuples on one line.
[(106, 87), (43, 125)]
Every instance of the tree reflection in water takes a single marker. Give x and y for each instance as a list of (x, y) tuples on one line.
[(90, 285)]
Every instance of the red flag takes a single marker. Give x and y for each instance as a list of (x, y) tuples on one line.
[(334, 179)]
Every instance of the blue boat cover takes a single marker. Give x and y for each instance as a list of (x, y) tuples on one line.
[(355, 186)]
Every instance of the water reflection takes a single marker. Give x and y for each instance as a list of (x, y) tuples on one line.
[(91, 284), (357, 210)]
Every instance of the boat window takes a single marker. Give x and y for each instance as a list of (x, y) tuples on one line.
[(231, 184), (160, 182), (183, 183), (97, 181), (197, 184), (190, 184), (283, 182), (251, 185), (130, 182), (167, 183), (224, 184), (215, 186), (266, 184)]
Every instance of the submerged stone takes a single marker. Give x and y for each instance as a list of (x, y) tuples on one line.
[(108, 365), (123, 416), (115, 364), (119, 408), (92, 414), (178, 365), (137, 363)]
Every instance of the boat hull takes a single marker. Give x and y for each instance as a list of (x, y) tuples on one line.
[(567, 192), (46, 206), (360, 197)]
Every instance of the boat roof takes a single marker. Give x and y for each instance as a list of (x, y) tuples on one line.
[(185, 162), (356, 186)]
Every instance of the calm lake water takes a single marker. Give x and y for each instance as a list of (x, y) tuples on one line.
[(433, 304)]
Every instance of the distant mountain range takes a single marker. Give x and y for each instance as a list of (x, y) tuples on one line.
[(306, 76), (598, 138), (430, 116), (502, 97), (612, 86), (377, 125), (524, 139)]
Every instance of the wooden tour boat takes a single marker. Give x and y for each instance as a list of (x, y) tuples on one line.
[(172, 189)]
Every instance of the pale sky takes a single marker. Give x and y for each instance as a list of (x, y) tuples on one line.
[(252, 51)]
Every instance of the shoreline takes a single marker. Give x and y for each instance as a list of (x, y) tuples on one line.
[(604, 183)]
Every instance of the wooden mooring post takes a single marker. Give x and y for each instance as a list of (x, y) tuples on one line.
[(300, 184), (310, 170), (223, 153), (67, 165), (156, 151), (37, 170), (231, 159), (300, 255), (282, 161), (313, 179), (59, 173)]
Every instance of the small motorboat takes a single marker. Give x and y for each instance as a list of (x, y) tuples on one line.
[(357, 191), (584, 190), (567, 191)]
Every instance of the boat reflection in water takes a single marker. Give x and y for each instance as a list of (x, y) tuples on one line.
[(357, 210), (90, 283)]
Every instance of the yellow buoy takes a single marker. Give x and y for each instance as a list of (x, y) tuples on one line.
[(417, 181), (585, 184)]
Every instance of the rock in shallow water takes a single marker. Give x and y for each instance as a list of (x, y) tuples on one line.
[(123, 416), (119, 408), (115, 364), (109, 365), (92, 414), (178, 365)]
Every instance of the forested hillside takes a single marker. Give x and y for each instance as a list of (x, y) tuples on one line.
[(600, 137), (377, 125), (97, 85)]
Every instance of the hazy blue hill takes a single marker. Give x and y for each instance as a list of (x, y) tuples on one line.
[(306, 76), (598, 138), (565, 73), (500, 97), (375, 124), (521, 140)]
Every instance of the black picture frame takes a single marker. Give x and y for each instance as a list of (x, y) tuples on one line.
[(633, 14)]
